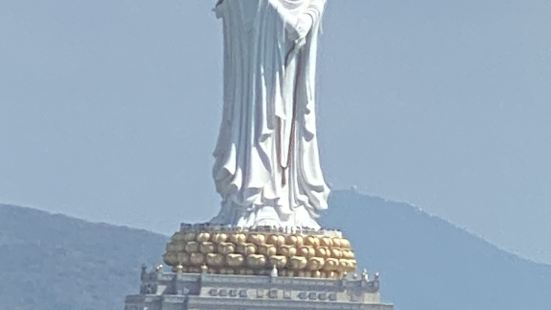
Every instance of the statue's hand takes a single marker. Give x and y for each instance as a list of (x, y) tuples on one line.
[(304, 24), (298, 26)]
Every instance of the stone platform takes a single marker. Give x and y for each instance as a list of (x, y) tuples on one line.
[(201, 291), (227, 268)]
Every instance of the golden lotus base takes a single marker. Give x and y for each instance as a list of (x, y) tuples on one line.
[(222, 250)]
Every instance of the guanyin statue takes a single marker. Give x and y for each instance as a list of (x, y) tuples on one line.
[(267, 167)]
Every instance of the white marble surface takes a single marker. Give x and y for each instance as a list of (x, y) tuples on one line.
[(267, 167)]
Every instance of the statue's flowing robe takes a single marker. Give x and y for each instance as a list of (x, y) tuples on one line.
[(267, 167)]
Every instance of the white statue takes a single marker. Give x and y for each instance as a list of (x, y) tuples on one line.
[(267, 166)]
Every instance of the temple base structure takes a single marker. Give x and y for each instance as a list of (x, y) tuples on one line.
[(181, 291), (224, 268)]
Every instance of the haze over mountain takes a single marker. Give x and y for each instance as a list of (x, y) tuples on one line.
[(427, 263), (53, 262), (109, 109)]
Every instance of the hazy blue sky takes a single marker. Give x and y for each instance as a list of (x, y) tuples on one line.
[(109, 110)]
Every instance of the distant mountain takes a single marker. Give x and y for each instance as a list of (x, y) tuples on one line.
[(53, 262), (427, 263)]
